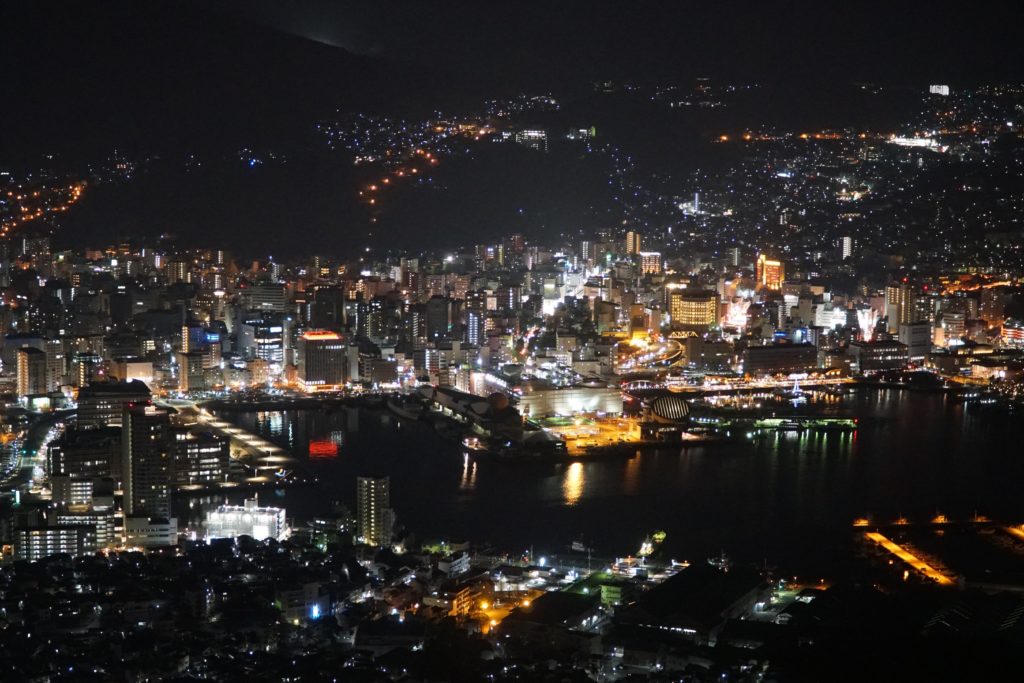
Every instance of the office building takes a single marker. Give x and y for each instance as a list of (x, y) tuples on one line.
[(321, 359), (199, 457), (918, 338), (262, 337), (879, 355), (373, 509), (779, 359)]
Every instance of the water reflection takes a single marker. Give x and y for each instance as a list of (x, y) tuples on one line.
[(468, 480), (572, 484)]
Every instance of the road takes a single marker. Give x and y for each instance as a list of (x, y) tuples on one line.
[(32, 455)]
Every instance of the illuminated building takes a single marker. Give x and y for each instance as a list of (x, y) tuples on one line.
[(232, 521), (650, 262), (321, 360), (374, 517), (1013, 332), (101, 404), (36, 542), (879, 355), (191, 373), (693, 310), (899, 304), (86, 454), (942, 90), (587, 251), (633, 242), (32, 372), (262, 336), (845, 247), (147, 461), (770, 273), (199, 458)]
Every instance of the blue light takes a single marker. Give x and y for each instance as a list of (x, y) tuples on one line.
[(314, 612)]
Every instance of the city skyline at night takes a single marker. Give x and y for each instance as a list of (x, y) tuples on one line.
[(527, 342)]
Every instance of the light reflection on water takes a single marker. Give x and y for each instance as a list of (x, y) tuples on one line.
[(779, 493), (572, 484)]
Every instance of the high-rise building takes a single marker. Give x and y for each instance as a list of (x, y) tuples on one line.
[(918, 338), (437, 317), (147, 462), (587, 251), (770, 273), (693, 310), (101, 404), (32, 372), (633, 242), (262, 336), (899, 304), (191, 373), (845, 247), (320, 358), (374, 516), (650, 262), (86, 454), (199, 458)]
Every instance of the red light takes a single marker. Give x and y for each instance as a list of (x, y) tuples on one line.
[(323, 449)]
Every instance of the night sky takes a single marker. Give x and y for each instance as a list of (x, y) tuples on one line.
[(188, 70), (169, 79)]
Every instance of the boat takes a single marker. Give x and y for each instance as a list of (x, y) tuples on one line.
[(790, 426)]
